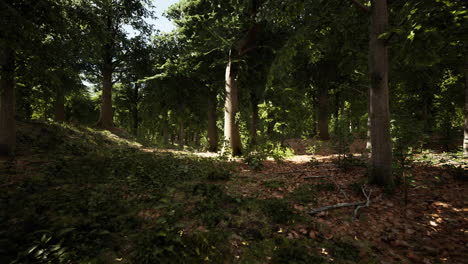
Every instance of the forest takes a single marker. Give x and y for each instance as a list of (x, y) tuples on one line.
[(256, 131)]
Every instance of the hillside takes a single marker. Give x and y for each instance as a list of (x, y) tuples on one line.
[(78, 195)]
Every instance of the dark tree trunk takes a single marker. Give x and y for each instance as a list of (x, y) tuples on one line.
[(181, 134), (323, 112), (59, 106), (165, 130), (368, 139), (255, 120), (165, 135), (106, 117), (465, 139), (136, 116), (231, 108), (212, 128), (7, 107), (196, 140), (381, 160)]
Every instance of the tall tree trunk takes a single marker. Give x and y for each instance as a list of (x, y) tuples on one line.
[(165, 130), (231, 108), (59, 105), (135, 110), (212, 128), (7, 107), (323, 112), (368, 139), (255, 120), (106, 117), (165, 135), (181, 134), (465, 140), (381, 160)]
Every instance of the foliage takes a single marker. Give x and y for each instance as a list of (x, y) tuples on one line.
[(278, 210), (295, 251), (255, 160)]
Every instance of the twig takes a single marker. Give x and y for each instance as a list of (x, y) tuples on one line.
[(315, 177), (364, 205), (335, 206)]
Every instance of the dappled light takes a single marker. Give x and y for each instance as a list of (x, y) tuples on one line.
[(227, 131)]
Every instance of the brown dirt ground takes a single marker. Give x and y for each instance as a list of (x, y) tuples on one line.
[(431, 227)]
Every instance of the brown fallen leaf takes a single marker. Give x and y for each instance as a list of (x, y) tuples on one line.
[(312, 234)]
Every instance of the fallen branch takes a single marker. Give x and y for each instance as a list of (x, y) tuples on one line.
[(364, 205), (292, 172), (315, 177), (335, 206), (327, 165), (358, 205)]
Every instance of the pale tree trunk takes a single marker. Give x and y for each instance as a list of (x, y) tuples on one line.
[(465, 140), (323, 112), (212, 128), (106, 117), (255, 120), (231, 108), (381, 160), (7, 107), (59, 105)]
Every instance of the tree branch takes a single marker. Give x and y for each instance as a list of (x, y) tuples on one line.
[(315, 177), (335, 206), (340, 205), (364, 205), (361, 6)]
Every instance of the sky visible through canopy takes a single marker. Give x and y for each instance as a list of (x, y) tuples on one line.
[(160, 23)]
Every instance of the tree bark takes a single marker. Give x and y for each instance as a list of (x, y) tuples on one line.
[(368, 139), (255, 120), (106, 117), (381, 160), (465, 139), (212, 128), (136, 116), (59, 105), (231, 108), (7, 107), (323, 112), (181, 134)]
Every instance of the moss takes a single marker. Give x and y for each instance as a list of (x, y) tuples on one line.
[(295, 252)]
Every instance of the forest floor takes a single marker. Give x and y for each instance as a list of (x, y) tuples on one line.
[(427, 222), (77, 195)]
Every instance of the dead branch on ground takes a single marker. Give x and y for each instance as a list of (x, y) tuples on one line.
[(358, 205)]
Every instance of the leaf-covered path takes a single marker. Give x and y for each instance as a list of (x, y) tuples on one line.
[(430, 227)]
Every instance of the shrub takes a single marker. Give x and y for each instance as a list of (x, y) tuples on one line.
[(255, 160)]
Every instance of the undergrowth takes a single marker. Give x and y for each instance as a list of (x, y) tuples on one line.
[(78, 195)]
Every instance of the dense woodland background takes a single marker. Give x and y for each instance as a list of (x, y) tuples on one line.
[(377, 90)]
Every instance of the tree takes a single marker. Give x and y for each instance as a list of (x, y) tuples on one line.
[(381, 159), (465, 139), (24, 26), (107, 18), (7, 104)]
